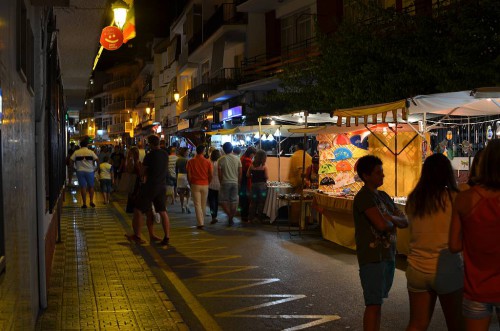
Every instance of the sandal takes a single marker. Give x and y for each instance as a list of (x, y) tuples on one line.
[(134, 238)]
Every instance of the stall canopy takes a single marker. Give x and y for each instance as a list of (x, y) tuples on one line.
[(370, 114), (480, 102)]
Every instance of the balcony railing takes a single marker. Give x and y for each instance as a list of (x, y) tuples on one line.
[(120, 105), (225, 79), (269, 65), (120, 128), (116, 84), (198, 94), (225, 14)]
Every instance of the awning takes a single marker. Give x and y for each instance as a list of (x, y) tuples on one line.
[(307, 130), (369, 114), (223, 131)]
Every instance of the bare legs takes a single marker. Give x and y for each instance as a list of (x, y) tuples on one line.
[(371, 318), (137, 225), (422, 307)]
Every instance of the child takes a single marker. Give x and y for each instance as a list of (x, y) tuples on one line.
[(106, 178), (375, 220)]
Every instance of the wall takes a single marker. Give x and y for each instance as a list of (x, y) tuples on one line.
[(256, 35), (19, 284)]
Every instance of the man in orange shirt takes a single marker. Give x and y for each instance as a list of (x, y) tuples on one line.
[(199, 173)]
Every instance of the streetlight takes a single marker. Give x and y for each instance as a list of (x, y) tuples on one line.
[(177, 96), (120, 9)]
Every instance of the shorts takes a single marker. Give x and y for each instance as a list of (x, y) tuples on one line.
[(376, 280), (479, 310), (170, 190), (85, 179), (228, 192), (441, 283), (151, 195), (105, 185)]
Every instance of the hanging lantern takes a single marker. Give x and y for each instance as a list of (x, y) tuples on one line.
[(489, 133), (449, 135), (111, 38)]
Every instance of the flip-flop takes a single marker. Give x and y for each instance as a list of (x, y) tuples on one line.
[(134, 238)]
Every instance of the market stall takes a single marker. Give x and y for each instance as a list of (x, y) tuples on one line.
[(382, 134)]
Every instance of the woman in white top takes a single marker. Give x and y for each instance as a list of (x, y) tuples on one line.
[(213, 188), (433, 271)]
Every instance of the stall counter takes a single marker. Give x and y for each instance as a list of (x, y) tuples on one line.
[(337, 223)]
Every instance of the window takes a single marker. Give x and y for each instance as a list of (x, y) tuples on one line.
[(297, 28)]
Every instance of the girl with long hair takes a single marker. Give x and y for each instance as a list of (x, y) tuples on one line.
[(475, 229), (183, 188), (259, 176), (433, 271)]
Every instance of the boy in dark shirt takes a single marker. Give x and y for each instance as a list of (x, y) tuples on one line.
[(376, 218)]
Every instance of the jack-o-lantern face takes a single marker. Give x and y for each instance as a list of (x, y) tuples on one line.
[(111, 38)]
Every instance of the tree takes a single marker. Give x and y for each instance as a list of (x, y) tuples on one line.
[(396, 56)]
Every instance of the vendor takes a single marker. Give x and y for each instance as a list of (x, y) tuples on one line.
[(298, 166), (312, 177)]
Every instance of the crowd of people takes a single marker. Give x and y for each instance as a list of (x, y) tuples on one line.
[(454, 246), (454, 230)]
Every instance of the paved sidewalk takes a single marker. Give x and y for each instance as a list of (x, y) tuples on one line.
[(98, 283)]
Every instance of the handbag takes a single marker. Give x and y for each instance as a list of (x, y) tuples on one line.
[(127, 183)]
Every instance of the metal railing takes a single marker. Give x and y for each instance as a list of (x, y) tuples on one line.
[(198, 94), (116, 84), (120, 105), (225, 79), (225, 14), (270, 64)]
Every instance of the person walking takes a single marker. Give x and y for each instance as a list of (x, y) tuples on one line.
[(475, 230), (133, 169), (106, 178), (245, 183), (183, 188), (229, 167), (258, 174), (152, 193), (199, 173), (172, 178), (376, 218), (69, 164), (214, 186), (117, 159), (85, 161), (298, 164), (433, 271)]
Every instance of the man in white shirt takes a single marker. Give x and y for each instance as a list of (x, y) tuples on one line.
[(84, 161)]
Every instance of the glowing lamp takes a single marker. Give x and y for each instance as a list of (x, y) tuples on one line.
[(120, 9), (177, 96)]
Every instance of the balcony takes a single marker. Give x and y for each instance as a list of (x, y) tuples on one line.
[(198, 95), (266, 66), (120, 105), (120, 128), (116, 84), (224, 84), (225, 14)]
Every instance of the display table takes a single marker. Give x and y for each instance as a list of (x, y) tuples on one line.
[(272, 203), (337, 223)]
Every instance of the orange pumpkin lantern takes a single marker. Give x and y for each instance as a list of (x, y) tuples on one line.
[(343, 166), (111, 38)]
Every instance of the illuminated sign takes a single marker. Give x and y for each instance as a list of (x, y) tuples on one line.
[(232, 112)]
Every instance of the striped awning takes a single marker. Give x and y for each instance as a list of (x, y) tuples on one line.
[(370, 114)]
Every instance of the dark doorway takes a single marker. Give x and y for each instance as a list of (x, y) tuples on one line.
[(2, 229)]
